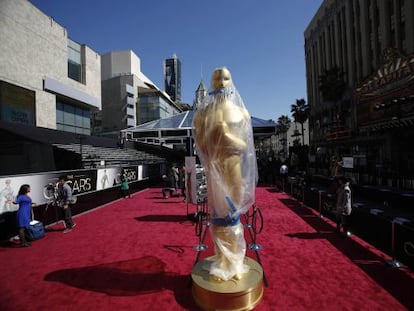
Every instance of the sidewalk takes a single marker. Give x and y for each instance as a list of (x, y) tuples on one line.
[(382, 216)]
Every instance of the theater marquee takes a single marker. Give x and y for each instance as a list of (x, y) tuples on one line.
[(388, 95)]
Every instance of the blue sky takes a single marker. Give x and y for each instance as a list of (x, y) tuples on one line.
[(260, 42)]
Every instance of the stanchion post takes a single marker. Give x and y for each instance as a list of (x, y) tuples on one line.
[(199, 226), (206, 214), (254, 245), (303, 194), (320, 203), (394, 262), (201, 236), (200, 246)]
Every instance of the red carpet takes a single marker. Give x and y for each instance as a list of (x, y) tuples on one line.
[(137, 254)]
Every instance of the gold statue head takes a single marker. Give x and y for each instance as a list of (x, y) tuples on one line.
[(221, 79)]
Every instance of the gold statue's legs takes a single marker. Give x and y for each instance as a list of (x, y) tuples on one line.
[(230, 249), (232, 178)]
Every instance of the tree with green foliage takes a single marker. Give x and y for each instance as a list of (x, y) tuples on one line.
[(283, 125), (332, 84), (300, 113)]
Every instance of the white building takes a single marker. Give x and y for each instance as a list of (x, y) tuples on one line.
[(46, 79), (282, 141), (129, 97)]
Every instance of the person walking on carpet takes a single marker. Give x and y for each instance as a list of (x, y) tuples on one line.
[(343, 204), (64, 198), (124, 185)]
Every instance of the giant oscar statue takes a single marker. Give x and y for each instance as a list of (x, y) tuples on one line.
[(224, 142)]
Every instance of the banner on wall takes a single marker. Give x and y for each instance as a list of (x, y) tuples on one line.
[(107, 178), (81, 182), (131, 173)]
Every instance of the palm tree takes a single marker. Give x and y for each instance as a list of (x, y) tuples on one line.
[(332, 84), (300, 113), (283, 124)]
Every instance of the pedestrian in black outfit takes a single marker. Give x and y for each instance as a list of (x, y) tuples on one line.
[(182, 182), (64, 198), (343, 204)]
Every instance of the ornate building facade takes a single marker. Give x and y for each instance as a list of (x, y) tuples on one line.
[(360, 82)]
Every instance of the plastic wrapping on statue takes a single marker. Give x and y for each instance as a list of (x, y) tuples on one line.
[(228, 261), (224, 139)]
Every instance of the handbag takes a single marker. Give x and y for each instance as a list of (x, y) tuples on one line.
[(35, 230)]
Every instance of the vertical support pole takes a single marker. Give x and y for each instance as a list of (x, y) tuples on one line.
[(303, 194), (394, 262), (320, 204)]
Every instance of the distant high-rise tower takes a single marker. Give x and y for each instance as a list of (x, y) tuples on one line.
[(172, 78)]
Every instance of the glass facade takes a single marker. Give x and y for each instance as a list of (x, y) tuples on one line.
[(74, 61), (70, 118), (172, 78), (152, 108)]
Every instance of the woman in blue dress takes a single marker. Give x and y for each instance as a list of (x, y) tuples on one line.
[(24, 213)]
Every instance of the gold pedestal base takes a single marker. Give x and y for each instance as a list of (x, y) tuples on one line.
[(243, 294)]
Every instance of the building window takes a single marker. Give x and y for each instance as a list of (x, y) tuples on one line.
[(148, 108), (17, 104), (70, 118), (74, 61)]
